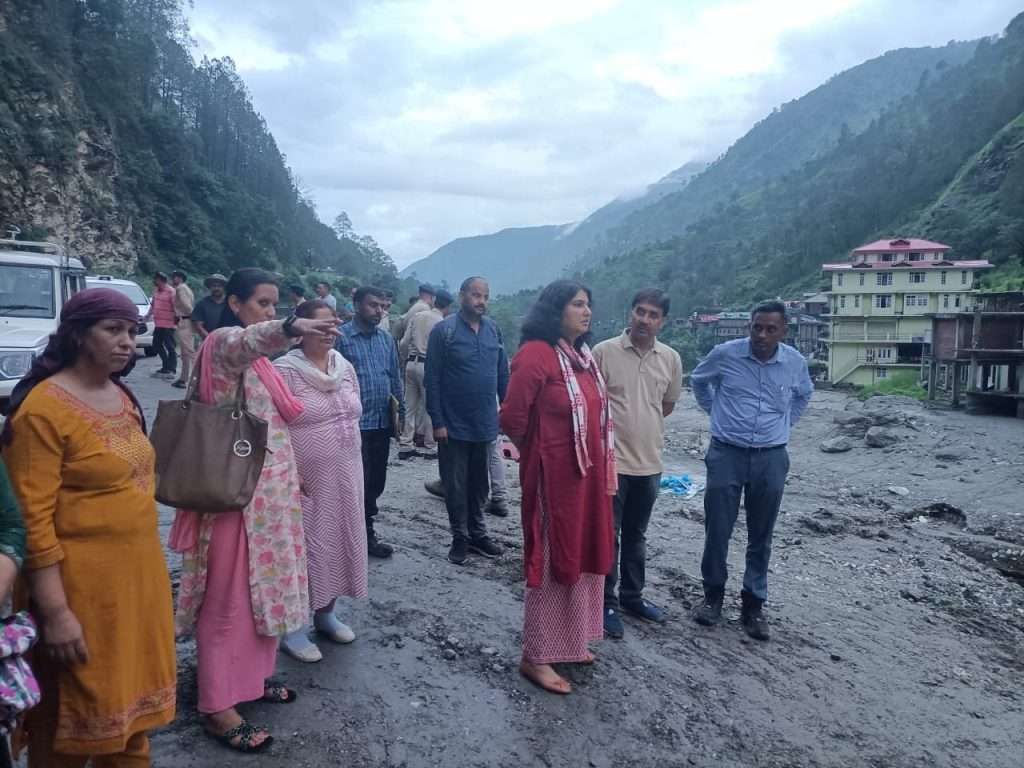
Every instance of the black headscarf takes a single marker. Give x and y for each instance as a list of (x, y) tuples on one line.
[(84, 309)]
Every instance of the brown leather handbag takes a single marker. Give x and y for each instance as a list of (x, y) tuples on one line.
[(208, 458)]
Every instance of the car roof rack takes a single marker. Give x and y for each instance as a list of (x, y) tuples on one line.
[(33, 246)]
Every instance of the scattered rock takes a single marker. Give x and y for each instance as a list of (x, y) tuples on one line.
[(951, 454), (939, 511), (880, 437), (899, 490), (837, 445), (488, 651), (852, 424), (450, 654), (835, 657)]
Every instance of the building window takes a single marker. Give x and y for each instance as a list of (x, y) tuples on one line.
[(916, 300), (917, 277), (888, 257), (943, 274), (916, 256), (883, 301), (842, 302), (963, 278), (856, 302), (839, 280), (943, 371), (963, 374), (883, 278), (881, 373), (956, 301), (861, 276), (945, 301), (884, 353)]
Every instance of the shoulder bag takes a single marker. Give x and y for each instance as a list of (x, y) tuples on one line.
[(208, 458)]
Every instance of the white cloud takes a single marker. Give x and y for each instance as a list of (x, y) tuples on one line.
[(442, 118)]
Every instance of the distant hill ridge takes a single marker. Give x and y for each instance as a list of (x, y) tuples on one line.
[(781, 143)]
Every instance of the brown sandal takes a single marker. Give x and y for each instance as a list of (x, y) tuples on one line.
[(558, 685)]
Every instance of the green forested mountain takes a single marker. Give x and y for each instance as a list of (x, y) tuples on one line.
[(790, 136), (115, 142)]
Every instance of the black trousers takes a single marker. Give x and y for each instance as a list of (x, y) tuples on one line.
[(632, 506), (376, 448), (464, 474), (163, 341)]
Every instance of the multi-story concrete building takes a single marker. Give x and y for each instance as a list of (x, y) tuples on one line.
[(977, 357), (880, 301)]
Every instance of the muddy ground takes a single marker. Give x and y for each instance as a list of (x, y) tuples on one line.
[(898, 627)]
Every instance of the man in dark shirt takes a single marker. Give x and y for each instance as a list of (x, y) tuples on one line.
[(374, 355), (207, 313), (466, 375)]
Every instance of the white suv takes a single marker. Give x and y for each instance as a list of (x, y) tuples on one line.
[(144, 339), (35, 281)]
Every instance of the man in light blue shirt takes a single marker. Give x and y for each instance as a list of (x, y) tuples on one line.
[(755, 389)]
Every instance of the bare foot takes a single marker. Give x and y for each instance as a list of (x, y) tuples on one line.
[(544, 676)]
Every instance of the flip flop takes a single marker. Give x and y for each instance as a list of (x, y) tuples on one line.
[(245, 733), (560, 685)]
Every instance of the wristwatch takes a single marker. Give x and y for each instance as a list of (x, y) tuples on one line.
[(287, 327)]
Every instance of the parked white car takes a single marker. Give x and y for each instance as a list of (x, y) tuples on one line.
[(35, 281), (131, 289)]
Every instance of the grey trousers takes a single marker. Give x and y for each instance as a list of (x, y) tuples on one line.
[(759, 476), (496, 470)]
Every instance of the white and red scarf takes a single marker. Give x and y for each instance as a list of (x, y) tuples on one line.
[(570, 360)]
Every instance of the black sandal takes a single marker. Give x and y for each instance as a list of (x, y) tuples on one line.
[(275, 693), (245, 733)]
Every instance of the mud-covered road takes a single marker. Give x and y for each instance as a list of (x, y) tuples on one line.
[(898, 626)]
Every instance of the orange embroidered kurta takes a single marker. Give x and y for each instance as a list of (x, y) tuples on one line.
[(85, 481)]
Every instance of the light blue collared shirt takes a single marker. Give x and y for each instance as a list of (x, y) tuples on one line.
[(752, 404)]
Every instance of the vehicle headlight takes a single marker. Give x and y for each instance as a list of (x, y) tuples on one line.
[(15, 364)]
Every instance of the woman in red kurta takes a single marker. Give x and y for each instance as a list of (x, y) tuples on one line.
[(556, 412)]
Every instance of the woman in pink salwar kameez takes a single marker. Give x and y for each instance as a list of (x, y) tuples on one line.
[(326, 440), (243, 579)]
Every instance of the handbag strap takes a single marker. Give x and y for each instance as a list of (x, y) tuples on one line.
[(192, 392)]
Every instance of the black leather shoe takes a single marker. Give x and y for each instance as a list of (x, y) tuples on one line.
[(497, 508), (378, 549), (613, 624), (435, 488), (755, 624), (709, 613), (458, 552), (484, 546)]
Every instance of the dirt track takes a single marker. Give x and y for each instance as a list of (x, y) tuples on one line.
[(897, 642)]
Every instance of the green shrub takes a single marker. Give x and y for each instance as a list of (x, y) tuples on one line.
[(904, 383)]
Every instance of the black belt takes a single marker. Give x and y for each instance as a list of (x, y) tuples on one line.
[(417, 358), (748, 448)]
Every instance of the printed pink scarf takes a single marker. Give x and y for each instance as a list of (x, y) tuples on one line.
[(184, 534), (570, 360)]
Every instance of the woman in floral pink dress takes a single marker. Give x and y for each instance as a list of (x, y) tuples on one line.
[(243, 578), (326, 441)]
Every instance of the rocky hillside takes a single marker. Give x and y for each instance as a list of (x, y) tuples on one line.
[(115, 142)]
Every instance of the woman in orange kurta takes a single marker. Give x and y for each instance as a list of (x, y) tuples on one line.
[(97, 582)]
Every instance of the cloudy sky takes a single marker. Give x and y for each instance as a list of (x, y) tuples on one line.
[(428, 120)]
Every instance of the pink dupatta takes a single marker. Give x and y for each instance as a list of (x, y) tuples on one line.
[(184, 533)]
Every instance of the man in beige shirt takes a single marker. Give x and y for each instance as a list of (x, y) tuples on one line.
[(644, 379), (412, 350), (184, 303)]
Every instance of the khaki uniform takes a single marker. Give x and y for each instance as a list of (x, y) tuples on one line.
[(184, 303)]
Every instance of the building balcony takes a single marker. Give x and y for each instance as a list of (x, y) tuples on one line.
[(869, 338)]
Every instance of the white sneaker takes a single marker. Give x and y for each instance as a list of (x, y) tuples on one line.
[(329, 624), (300, 647)]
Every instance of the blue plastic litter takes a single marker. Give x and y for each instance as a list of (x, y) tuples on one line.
[(681, 485)]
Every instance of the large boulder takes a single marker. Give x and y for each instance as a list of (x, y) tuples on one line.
[(839, 444), (881, 437)]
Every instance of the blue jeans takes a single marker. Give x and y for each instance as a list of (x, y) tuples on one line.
[(760, 477)]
